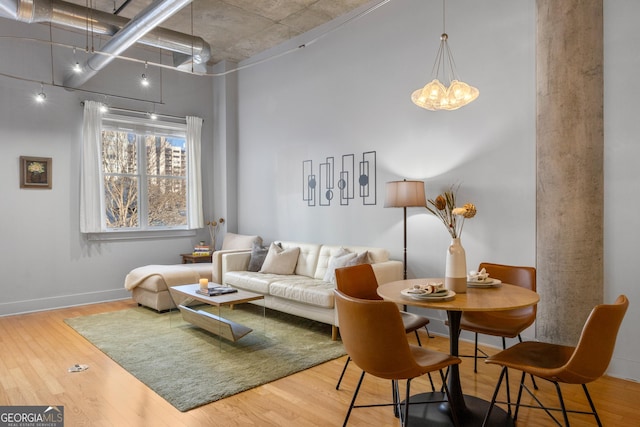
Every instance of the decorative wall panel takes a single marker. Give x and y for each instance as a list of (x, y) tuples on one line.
[(319, 189)]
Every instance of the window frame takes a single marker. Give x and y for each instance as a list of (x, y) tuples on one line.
[(142, 127)]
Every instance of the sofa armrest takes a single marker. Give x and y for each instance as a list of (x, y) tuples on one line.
[(216, 262), (388, 271), (235, 261)]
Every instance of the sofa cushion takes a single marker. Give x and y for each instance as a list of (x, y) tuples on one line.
[(345, 259), (308, 257), (239, 241), (258, 255), (253, 281), (374, 255), (361, 258), (341, 259), (303, 289), (280, 261)]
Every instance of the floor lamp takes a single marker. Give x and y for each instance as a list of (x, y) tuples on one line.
[(405, 194)]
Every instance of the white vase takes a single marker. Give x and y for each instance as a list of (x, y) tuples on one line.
[(455, 274)]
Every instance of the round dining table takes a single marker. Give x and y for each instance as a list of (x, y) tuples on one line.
[(470, 410)]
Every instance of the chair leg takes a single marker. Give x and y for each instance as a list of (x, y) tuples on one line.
[(506, 377), (343, 371), (495, 395), (433, 387), (475, 355), (353, 400), (520, 389), (593, 408), (444, 379), (564, 409), (404, 421), (533, 380), (396, 398), (428, 333)]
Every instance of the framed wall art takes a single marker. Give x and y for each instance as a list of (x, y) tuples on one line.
[(35, 172)]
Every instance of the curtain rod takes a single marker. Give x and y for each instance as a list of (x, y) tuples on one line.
[(128, 110)]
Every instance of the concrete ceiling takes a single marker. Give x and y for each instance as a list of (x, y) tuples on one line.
[(239, 29)]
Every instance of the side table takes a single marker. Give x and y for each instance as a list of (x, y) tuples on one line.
[(192, 259)]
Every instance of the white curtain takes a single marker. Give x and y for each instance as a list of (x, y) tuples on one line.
[(90, 170), (194, 178)]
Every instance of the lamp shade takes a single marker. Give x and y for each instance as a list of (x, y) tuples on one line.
[(402, 194)]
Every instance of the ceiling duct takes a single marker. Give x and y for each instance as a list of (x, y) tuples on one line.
[(186, 49)]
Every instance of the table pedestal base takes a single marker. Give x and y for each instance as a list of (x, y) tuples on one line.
[(434, 414)]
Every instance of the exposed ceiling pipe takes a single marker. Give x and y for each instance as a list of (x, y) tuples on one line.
[(183, 46), (149, 18)]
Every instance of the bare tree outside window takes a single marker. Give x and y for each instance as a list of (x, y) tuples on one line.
[(146, 190)]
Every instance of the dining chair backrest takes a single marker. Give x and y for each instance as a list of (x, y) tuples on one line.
[(592, 355), (358, 281), (525, 277), (374, 337)]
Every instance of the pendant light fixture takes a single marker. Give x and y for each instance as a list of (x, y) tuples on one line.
[(437, 96)]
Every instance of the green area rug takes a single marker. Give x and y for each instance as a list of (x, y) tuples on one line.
[(190, 367)]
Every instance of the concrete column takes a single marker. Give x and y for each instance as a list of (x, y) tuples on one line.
[(570, 180)]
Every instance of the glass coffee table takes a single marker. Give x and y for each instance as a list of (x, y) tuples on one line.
[(213, 323)]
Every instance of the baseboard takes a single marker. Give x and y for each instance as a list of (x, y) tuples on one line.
[(62, 301)]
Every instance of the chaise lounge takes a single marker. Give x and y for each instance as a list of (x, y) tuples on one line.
[(149, 284)]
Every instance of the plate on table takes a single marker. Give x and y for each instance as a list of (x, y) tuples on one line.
[(485, 283), (422, 296)]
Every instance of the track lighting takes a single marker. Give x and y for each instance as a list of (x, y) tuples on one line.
[(144, 81), (153, 116), (40, 97), (76, 68)]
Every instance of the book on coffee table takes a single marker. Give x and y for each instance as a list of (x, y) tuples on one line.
[(216, 290)]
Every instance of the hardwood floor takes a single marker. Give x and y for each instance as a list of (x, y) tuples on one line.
[(37, 349)]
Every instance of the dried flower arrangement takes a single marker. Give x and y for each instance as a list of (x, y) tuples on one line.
[(444, 207)]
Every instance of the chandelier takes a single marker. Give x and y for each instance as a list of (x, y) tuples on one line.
[(437, 96)]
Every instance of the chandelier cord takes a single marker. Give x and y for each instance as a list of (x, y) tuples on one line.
[(443, 17)]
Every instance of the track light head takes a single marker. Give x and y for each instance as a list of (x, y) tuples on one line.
[(41, 96)]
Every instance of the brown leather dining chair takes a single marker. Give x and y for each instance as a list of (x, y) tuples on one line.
[(582, 364), (374, 337), (359, 281), (504, 324)]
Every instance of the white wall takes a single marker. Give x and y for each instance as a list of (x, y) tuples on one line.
[(45, 261), (349, 93), (622, 182)]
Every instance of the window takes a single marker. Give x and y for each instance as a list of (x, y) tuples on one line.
[(144, 173)]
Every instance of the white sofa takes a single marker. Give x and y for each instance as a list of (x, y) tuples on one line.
[(149, 284), (304, 293)]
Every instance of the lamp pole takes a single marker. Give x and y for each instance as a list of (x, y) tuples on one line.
[(404, 252), (405, 194)]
